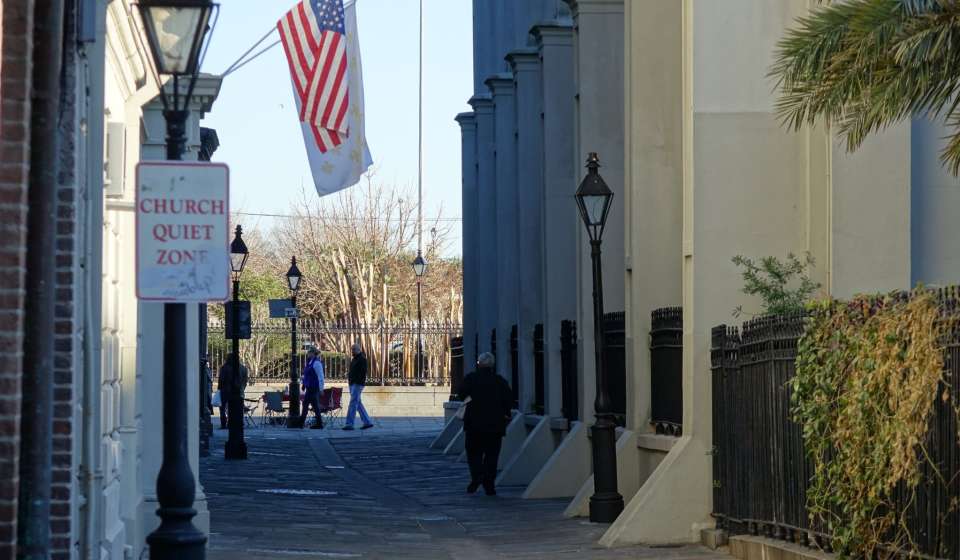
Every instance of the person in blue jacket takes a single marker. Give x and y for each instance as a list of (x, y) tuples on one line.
[(312, 386)]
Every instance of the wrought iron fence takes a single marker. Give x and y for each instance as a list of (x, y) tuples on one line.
[(666, 370), (390, 349), (568, 371), (515, 366), (456, 367), (615, 362), (539, 398), (761, 468)]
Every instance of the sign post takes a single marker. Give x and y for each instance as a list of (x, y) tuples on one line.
[(183, 215)]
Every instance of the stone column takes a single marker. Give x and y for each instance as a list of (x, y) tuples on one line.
[(471, 276), (653, 173), (150, 333), (598, 71), (504, 113), (559, 225), (525, 64), (486, 233), (484, 43)]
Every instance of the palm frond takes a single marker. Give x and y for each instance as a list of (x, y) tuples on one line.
[(866, 64)]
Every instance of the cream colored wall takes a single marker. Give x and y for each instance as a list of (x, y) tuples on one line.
[(653, 178), (124, 75), (870, 215), (704, 142)]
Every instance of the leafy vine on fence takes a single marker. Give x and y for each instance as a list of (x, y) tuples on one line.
[(867, 375)]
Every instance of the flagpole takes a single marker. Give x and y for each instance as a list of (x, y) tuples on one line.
[(420, 141)]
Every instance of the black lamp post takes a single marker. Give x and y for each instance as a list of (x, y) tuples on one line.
[(419, 268), (593, 201), (293, 282), (175, 32), (236, 447)]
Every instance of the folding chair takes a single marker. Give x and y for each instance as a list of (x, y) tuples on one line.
[(273, 408), (330, 405), (250, 407)]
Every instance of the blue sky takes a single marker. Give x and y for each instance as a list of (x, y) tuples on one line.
[(256, 120)]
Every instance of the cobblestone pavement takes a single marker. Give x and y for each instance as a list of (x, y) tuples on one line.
[(382, 494)]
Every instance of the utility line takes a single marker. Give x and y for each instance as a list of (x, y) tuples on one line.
[(334, 218)]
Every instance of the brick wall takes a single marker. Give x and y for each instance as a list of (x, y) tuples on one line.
[(16, 28), (67, 354)]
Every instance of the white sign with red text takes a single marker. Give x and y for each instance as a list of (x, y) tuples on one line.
[(183, 237)]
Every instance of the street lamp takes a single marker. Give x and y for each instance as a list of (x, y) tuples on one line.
[(236, 448), (419, 268), (175, 31), (293, 282), (593, 201)]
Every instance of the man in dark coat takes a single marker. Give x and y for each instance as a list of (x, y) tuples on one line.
[(485, 422), (230, 386), (357, 379)]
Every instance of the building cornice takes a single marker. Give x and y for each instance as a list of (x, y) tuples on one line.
[(500, 84), (600, 7), (523, 60), (481, 103), (466, 119), (556, 32), (205, 92)]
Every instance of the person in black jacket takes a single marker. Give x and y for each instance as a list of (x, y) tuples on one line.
[(485, 422), (356, 380)]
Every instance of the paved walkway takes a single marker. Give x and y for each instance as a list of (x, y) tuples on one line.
[(382, 494)]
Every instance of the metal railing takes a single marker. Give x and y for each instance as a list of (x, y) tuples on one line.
[(760, 465), (515, 366), (615, 362), (568, 371), (539, 397), (666, 370), (390, 350)]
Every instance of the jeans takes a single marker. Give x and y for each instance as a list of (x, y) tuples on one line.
[(311, 398), (356, 405), (483, 453)]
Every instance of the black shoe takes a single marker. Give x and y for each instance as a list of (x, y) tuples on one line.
[(347, 428), (490, 490), (316, 427), (472, 487), (366, 426)]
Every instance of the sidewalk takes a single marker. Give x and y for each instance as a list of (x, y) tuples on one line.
[(381, 494)]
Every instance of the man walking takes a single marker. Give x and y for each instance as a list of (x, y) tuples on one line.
[(312, 385), (485, 422), (356, 380), (230, 386)]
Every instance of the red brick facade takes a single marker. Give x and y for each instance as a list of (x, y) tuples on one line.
[(66, 356), (16, 28)]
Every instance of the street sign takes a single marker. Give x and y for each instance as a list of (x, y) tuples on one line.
[(183, 238), (243, 313), (292, 313), (279, 307)]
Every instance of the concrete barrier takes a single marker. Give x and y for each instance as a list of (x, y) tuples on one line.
[(513, 440), (447, 434), (628, 483), (566, 469), (535, 451), (456, 444)]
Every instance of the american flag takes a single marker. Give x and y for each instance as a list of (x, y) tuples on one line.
[(314, 39)]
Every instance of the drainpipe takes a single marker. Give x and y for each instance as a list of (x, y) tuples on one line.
[(33, 514), (90, 470)]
